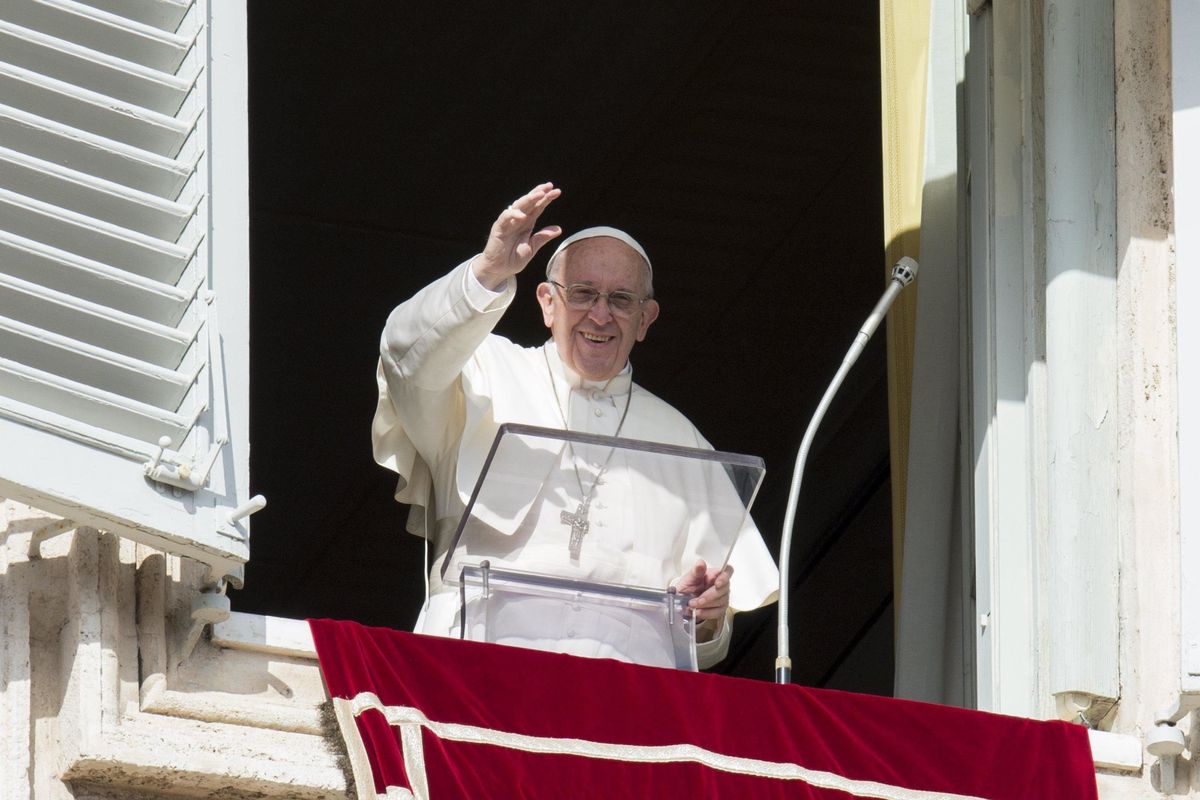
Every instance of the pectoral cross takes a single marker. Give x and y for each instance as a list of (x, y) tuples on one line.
[(579, 526)]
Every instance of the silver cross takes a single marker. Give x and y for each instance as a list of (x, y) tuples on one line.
[(579, 526)]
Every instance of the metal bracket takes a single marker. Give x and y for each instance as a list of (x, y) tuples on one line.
[(190, 478), (1085, 708), (976, 7), (210, 607), (1166, 741), (1184, 704)]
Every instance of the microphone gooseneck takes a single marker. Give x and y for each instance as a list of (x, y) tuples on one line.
[(903, 273)]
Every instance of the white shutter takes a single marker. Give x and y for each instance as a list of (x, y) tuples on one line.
[(123, 260)]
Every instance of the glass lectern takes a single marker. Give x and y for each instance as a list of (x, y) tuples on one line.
[(570, 542)]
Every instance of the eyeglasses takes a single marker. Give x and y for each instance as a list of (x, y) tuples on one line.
[(582, 297)]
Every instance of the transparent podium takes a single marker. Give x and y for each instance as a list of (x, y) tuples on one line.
[(570, 542)]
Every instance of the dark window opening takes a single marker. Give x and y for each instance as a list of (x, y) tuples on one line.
[(740, 142)]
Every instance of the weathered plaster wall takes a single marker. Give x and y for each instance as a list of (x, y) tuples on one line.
[(1148, 503)]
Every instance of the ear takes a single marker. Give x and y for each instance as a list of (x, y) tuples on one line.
[(545, 297), (649, 314)]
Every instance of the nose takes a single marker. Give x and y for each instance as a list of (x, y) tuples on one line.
[(600, 313)]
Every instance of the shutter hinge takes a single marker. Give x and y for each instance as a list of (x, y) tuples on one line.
[(976, 7)]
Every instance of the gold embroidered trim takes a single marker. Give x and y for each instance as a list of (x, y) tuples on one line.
[(413, 719), (360, 765), (414, 759)]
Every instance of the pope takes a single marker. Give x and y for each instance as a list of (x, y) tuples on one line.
[(446, 383)]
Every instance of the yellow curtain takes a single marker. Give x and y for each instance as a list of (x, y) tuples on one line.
[(904, 47)]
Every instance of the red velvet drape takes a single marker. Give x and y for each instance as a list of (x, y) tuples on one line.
[(535, 724)]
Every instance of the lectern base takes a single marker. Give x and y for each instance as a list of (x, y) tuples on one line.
[(541, 612)]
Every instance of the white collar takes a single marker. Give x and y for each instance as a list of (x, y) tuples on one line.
[(617, 385)]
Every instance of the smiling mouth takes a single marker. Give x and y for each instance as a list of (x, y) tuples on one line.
[(596, 337)]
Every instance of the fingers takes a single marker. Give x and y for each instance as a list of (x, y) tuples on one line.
[(537, 196), (547, 234), (519, 219), (512, 242), (711, 587), (525, 210), (694, 581), (712, 602)]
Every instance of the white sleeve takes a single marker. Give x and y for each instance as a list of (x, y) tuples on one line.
[(429, 338), (426, 342), (714, 650)]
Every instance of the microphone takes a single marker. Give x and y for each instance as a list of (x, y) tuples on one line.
[(903, 273)]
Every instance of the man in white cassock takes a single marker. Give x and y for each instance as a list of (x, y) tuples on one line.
[(447, 383)]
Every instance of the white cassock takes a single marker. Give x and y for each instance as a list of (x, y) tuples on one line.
[(446, 384)]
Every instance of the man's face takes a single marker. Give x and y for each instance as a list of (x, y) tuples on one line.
[(595, 343)]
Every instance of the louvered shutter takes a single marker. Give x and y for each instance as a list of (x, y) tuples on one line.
[(123, 261)]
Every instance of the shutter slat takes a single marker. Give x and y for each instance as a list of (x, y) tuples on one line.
[(106, 286), (102, 31), (77, 233), (93, 197), (94, 112), (89, 294), (41, 389), (105, 158), (107, 75), (162, 14), (79, 319), (94, 366)]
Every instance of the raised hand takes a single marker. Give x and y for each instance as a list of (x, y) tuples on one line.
[(512, 243)]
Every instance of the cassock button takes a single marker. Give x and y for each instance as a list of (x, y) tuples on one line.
[(570, 634), (597, 395), (598, 412)]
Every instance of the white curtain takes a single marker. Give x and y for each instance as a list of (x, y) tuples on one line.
[(930, 660)]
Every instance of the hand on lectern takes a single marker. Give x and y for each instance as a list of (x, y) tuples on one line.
[(711, 587)]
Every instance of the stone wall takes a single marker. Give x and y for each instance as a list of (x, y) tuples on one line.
[(99, 700)]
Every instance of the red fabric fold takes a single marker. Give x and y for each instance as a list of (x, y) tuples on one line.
[(896, 743)]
